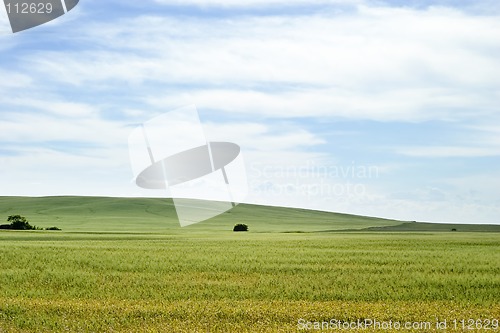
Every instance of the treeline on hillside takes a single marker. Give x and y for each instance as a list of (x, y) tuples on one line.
[(18, 222)]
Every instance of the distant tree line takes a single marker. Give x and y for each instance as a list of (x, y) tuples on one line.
[(18, 222)]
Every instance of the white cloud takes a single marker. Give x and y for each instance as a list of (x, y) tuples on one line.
[(39, 128), (52, 106), (262, 137), (449, 151), (255, 3), (10, 80), (381, 63), (42, 171), (486, 133), (418, 104)]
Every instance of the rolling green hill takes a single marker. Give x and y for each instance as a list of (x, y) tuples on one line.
[(433, 227), (157, 215)]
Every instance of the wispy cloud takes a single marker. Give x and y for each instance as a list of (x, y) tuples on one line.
[(383, 63), (13, 80), (255, 3), (450, 151)]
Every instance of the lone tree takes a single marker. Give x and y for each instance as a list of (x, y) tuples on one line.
[(240, 227)]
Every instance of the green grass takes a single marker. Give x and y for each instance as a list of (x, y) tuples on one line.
[(206, 278), (435, 227), (151, 215)]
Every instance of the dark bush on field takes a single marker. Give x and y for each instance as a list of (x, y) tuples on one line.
[(52, 228), (240, 227)]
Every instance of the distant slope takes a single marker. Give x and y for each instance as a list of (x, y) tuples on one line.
[(157, 215), (104, 214), (421, 226)]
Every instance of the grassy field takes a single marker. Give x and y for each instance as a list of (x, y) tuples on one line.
[(106, 272), (97, 214)]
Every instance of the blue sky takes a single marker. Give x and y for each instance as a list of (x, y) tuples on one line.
[(410, 89)]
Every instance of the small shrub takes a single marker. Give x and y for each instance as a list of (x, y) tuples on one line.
[(453, 229), (240, 227), (52, 228)]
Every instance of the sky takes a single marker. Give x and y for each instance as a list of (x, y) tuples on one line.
[(377, 108)]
